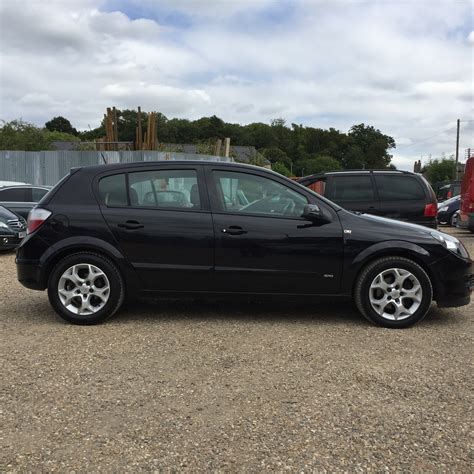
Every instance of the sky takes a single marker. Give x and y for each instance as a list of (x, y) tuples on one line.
[(404, 66)]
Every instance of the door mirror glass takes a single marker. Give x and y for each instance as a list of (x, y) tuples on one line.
[(314, 213)]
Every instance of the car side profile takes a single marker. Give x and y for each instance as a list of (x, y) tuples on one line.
[(388, 193), (110, 232)]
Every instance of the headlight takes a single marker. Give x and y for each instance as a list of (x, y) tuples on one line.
[(443, 209), (2, 224), (451, 243)]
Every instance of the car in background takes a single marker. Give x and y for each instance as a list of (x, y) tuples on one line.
[(11, 183), (12, 229), (448, 191), (466, 209), (20, 199), (400, 195), (447, 211)]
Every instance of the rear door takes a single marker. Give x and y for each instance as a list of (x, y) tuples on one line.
[(161, 220), (354, 192), (401, 197)]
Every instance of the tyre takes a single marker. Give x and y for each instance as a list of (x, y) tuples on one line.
[(453, 219), (393, 292), (85, 288)]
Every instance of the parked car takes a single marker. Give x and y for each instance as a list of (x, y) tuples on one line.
[(11, 183), (109, 232), (394, 194), (448, 191), (22, 198), (12, 229), (466, 209), (447, 211)]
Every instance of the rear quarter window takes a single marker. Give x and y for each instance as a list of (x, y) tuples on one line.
[(113, 190), (393, 188)]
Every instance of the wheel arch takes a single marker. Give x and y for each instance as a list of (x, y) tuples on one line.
[(89, 244), (408, 250)]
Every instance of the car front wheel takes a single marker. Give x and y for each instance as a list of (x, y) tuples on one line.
[(85, 288), (394, 292)]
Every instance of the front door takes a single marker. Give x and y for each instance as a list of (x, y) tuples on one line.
[(262, 243), (161, 220)]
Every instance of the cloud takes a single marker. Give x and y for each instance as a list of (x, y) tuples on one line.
[(400, 66)]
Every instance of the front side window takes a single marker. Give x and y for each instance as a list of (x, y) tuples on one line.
[(251, 194), (398, 187), (351, 188), (164, 189)]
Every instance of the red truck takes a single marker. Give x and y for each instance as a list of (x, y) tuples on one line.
[(466, 210)]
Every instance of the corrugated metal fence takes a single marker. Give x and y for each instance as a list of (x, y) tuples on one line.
[(48, 167)]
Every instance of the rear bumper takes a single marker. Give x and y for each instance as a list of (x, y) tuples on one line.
[(29, 274)]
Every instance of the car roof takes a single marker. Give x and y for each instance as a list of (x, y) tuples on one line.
[(26, 186), (358, 172)]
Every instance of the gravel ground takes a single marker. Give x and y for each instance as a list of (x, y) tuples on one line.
[(248, 386)]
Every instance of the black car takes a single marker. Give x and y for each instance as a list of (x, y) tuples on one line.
[(20, 199), (12, 229), (447, 211), (110, 232), (395, 194)]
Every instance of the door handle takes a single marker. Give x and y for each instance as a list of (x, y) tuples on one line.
[(234, 230), (131, 225)]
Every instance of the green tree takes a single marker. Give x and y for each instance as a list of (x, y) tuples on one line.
[(274, 155), (281, 168), (318, 164), (20, 135), (60, 124), (374, 145), (438, 170)]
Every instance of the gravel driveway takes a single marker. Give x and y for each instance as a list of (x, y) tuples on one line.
[(243, 386)]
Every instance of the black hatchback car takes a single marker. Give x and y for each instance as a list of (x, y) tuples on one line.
[(395, 194), (109, 232)]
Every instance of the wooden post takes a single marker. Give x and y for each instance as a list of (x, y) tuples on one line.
[(227, 147), (139, 128), (115, 129), (217, 149)]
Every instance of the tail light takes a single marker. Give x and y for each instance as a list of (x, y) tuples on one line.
[(431, 210), (36, 219), (449, 195)]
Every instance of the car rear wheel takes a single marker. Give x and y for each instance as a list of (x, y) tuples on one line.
[(394, 292), (453, 219), (85, 288)]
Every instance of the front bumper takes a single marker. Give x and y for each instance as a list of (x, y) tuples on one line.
[(453, 282), (9, 242)]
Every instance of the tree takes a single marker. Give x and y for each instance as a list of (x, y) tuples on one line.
[(274, 155), (318, 164), (20, 135), (438, 170), (281, 168), (373, 144), (60, 124)]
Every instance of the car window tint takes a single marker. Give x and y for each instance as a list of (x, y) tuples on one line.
[(113, 190), (352, 188), (38, 193), (164, 189), (398, 187), (15, 194), (251, 194)]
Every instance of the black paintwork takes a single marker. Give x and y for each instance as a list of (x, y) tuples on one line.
[(173, 251), (10, 235)]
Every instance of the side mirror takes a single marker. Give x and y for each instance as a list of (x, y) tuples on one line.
[(313, 213)]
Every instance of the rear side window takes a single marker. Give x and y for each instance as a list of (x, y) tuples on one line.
[(16, 194), (164, 189), (38, 193), (351, 188), (113, 190), (393, 188)]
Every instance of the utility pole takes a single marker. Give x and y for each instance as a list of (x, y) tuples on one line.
[(457, 149)]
